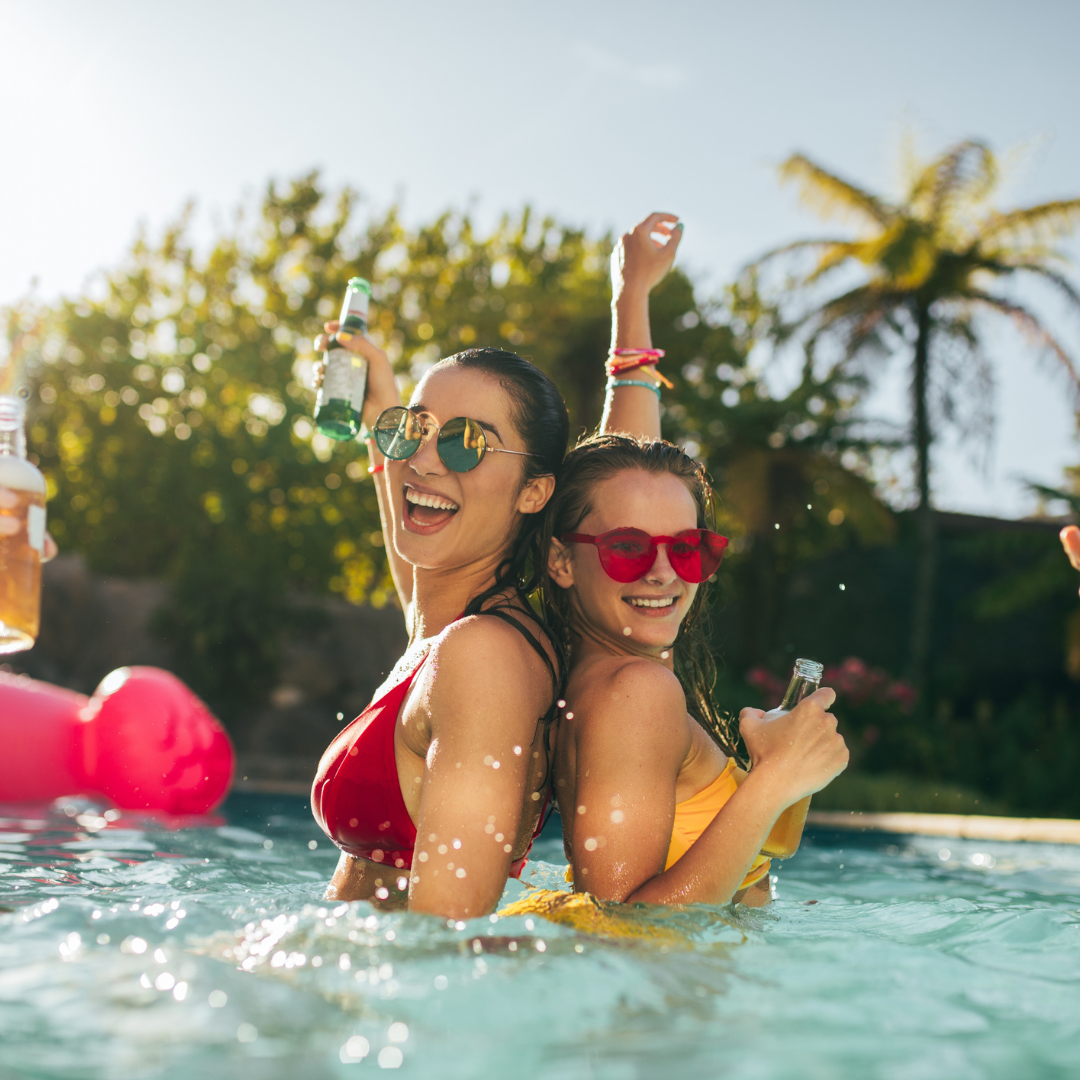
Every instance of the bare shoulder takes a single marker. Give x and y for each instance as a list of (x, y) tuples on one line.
[(630, 695), (485, 658), (491, 639)]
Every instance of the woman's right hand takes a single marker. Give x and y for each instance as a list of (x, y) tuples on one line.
[(382, 391), (639, 263), (802, 751)]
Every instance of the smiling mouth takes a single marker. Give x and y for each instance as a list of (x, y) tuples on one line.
[(427, 510), (664, 602)]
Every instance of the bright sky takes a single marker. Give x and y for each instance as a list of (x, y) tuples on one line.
[(115, 113)]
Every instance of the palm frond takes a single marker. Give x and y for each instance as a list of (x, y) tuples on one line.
[(1070, 497), (830, 196), (796, 245), (1060, 281), (1051, 221), (1029, 324), (830, 259), (857, 318), (964, 175)]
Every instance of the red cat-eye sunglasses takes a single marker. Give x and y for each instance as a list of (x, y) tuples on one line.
[(628, 554)]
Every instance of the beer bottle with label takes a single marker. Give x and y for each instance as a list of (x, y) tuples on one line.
[(22, 531), (784, 838), (344, 375)]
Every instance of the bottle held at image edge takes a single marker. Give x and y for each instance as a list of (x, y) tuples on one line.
[(22, 532), (784, 838), (344, 375)]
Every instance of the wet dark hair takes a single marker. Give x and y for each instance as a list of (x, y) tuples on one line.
[(539, 416), (593, 460)]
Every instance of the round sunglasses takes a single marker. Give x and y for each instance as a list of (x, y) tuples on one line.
[(628, 554), (461, 443)]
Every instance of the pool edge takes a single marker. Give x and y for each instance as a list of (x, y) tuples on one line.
[(962, 826)]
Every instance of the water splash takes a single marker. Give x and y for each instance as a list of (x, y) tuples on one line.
[(129, 947)]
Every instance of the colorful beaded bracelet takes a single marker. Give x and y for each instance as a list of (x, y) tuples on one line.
[(612, 384)]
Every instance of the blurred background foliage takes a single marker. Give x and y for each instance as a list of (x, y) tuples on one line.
[(171, 413)]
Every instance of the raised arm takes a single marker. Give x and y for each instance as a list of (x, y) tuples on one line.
[(638, 263), (482, 711), (382, 394)]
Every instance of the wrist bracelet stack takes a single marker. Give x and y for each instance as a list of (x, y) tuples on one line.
[(643, 361)]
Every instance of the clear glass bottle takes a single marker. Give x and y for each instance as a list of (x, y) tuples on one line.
[(784, 838), (344, 374), (22, 531)]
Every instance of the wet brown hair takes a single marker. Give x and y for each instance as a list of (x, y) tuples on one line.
[(593, 460)]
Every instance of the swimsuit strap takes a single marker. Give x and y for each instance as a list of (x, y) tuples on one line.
[(548, 718), (531, 638)]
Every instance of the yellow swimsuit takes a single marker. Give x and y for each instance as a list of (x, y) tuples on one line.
[(693, 816), (584, 912)]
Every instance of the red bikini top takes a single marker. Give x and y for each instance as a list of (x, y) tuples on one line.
[(356, 797)]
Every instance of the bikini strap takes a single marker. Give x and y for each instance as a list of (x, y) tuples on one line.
[(531, 638)]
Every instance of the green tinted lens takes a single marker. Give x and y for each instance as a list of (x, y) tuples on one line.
[(398, 433), (461, 444)]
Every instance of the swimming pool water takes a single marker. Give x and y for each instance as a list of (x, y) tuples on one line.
[(134, 950)]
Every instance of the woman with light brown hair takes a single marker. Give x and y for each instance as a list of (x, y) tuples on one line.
[(655, 807)]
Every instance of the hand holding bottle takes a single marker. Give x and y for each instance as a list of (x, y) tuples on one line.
[(802, 750), (382, 391)]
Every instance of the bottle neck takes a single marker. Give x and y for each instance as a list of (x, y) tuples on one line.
[(805, 680), (797, 689), (12, 431)]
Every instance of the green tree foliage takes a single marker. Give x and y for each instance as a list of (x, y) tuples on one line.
[(172, 407), (924, 268)]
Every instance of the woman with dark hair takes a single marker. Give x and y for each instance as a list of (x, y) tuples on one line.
[(654, 805), (435, 791)]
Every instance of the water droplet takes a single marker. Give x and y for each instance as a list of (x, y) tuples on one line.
[(390, 1057), (356, 1049)]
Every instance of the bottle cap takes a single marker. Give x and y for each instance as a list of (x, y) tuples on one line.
[(360, 283), (12, 412), (809, 669)]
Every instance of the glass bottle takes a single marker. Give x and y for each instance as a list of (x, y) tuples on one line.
[(344, 375), (22, 532), (784, 838)]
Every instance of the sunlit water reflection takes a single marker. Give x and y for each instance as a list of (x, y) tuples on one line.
[(130, 949)]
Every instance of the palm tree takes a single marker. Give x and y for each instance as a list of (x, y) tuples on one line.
[(926, 266)]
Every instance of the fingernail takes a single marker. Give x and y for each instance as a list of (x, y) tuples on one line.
[(678, 225)]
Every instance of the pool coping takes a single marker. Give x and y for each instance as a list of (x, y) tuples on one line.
[(959, 826)]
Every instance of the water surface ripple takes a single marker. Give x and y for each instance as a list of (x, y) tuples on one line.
[(137, 947)]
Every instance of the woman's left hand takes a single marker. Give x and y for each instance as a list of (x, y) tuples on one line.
[(640, 262)]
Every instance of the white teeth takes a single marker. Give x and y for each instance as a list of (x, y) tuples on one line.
[(436, 502), (666, 602)]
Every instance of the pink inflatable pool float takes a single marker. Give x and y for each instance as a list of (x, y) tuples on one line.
[(143, 741)]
